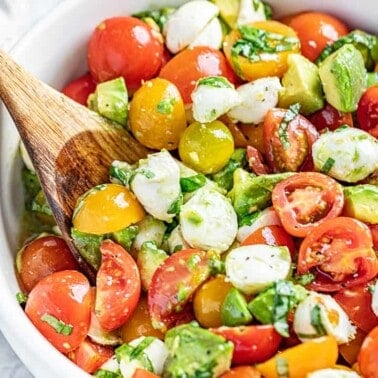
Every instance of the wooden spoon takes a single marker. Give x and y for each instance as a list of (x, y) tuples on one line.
[(70, 146)]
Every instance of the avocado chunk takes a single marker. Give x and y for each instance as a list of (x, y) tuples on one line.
[(196, 352), (302, 85), (361, 202), (110, 100), (234, 310), (228, 11), (343, 77)]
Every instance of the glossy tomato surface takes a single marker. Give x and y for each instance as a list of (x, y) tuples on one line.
[(367, 111), (367, 358), (79, 89)]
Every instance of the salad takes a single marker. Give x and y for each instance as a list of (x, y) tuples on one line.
[(245, 243)]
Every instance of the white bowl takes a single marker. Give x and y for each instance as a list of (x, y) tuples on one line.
[(55, 51)]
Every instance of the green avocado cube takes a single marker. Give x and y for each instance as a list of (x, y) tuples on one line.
[(234, 309)]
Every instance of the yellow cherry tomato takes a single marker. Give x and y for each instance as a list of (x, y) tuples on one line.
[(157, 114), (106, 208), (319, 353), (260, 49), (208, 300), (206, 147), (139, 324)]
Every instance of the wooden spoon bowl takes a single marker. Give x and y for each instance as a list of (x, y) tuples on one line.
[(71, 147)]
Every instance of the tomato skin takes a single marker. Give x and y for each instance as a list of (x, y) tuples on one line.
[(124, 46), (350, 350), (41, 257), (271, 235), (255, 161), (293, 198), (367, 111), (316, 30), (356, 302), (330, 118), (339, 252), (115, 302), (90, 356), (252, 343), (79, 89), (189, 65), (374, 233), (242, 372), (367, 358), (142, 373), (300, 133), (65, 295), (173, 284)]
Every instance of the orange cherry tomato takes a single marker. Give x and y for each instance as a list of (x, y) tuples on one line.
[(124, 46), (79, 89), (208, 299), (260, 49), (242, 372), (316, 30), (142, 373), (90, 356), (106, 208), (305, 200), (118, 286), (339, 252), (271, 235), (41, 257), (367, 358), (157, 115), (139, 324), (189, 65), (254, 135), (59, 306)]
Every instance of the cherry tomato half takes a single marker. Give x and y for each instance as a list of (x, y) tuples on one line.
[(106, 208), (287, 145), (305, 200), (80, 88), (41, 257), (316, 30), (157, 115), (267, 57), (356, 302), (242, 372), (252, 343), (367, 358), (124, 46), (330, 118), (173, 284), (185, 68), (367, 111), (60, 307), (118, 286), (339, 252)]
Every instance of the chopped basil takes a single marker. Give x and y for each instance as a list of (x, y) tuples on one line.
[(192, 183), (121, 172), (215, 81), (159, 16), (102, 373), (305, 279), (290, 114), (193, 261), (146, 172), (328, 165), (21, 298), (282, 367), (316, 321), (176, 205), (58, 325), (165, 106)]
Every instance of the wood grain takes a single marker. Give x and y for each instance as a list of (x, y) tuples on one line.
[(70, 146)]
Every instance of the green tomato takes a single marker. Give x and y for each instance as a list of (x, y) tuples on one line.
[(206, 147)]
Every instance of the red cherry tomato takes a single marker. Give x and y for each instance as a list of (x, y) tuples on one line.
[(330, 118), (142, 373), (316, 30), (60, 308), (287, 146), (271, 235), (356, 302), (339, 252), (242, 372), (124, 46), (374, 233), (305, 200), (185, 68), (367, 358), (80, 88), (41, 257), (90, 356), (118, 286), (173, 284), (252, 343), (255, 161), (367, 111)]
